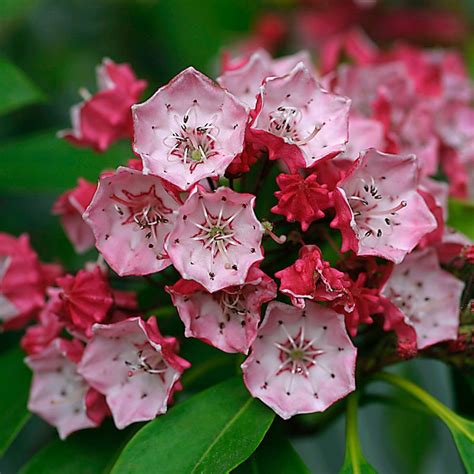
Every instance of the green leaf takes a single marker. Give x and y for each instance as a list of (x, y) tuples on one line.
[(411, 432), (354, 460), (212, 432), (461, 216), (42, 162), (461, 429), (91, 451), (14, 390), (275, 455), (16, 90)]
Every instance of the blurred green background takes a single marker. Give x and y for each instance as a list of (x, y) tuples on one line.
[(57, 44)]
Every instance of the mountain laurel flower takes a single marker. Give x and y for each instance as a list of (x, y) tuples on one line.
[(22, 282), (298, 121), (245, 81), (70, 206), (58, 393), (103, 118), (135, 367), (227, 319), (302, 360), (428, 296), (216, 238), (189, 129), (130, 215), (378, 208), (312, 278), (301, 199), (87, 299)]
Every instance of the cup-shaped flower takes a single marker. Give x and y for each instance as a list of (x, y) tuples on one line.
[(131, 214), (189, 129), (245, 81), (58, 393), (216, 239), (227, 319), (428, 296), (378, 208), (134, 366), (70, 206), (302, 360), (22, 282), (104, 117), (298, 121)]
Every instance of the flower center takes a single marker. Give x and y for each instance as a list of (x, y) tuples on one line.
[(284, 123), (375, 214), (147, 360), (192, 144), (144, 209), (216, 233)]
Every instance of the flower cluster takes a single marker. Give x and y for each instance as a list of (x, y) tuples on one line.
[(363, 248)]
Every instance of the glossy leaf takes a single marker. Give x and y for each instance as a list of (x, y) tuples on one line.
[(275, 455), (16, 90), (354, 460), (212, 432), (461, 429), (14, 389), (460, 216), (410, 432), (90, 451), (43, 162)]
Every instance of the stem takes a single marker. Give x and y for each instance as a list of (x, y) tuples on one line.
[(352, 439), (441, 411)]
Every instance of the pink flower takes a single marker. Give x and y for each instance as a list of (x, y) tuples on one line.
[(364, 133), (451, 246), (70, 206), (189, 129), (301, 199), (87, 299), (312, 278), (454, 124), (131, 215), (134, 366), (105, 117), (58, 393), (302, 360), (22, 282), (226, 319), (378, 208), (428, 296), (216, 238), (298, 121), (245, 81), (48, 327)]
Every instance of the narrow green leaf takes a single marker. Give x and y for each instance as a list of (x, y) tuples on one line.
[(16, 90), (275, 455), (90, 451), (461, 216), (42, 163), (14, 390), (461, 429), (354, 460), (212, 432), (410, 432)]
